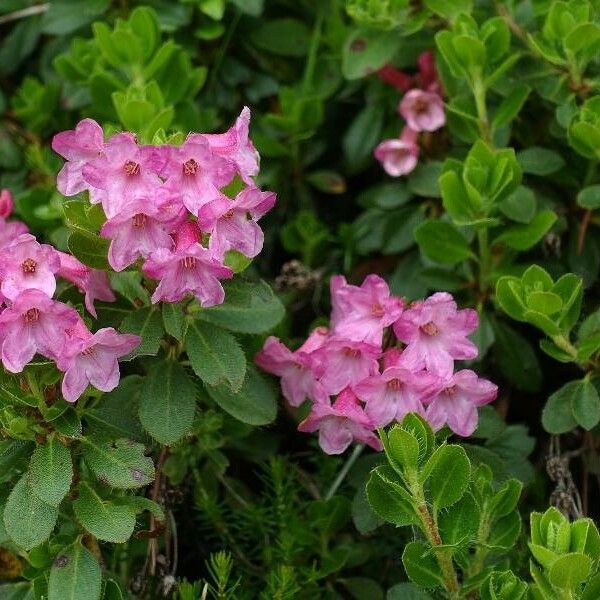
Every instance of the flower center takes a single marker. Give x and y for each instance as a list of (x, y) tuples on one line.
[(451, 390), (394, 384), (139, 220), (131, 168), (430, 328), (28, 265), (377, 310), (189, 262), (351, 352), (32, 315), (88, 351), (420, 105), (190, 167), (228, 214)]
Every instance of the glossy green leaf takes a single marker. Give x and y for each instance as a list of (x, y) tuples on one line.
[(442, 243), (421, 566)]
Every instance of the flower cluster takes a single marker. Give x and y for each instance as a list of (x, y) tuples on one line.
[(380, 360), (421, 107), (33, 322), (162, 202)]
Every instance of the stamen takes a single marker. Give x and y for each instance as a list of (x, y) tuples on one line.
[(351, 352), (190, 167), (394, 384), (139, 220), (131, 168), (430, 328), (29, 265), (189, 262), (32, 315), (228, 214), (377, 310)]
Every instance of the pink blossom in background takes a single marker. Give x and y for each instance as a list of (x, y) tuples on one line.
[(10, 231), (422, 111), (33, 323), (399, 156), (232, 223), (91, 282), (7, 204), (340, 424), (78, 146), (362, 313), (298, 379), (93, 358), (236, 147), (26, 264), (456, 404)]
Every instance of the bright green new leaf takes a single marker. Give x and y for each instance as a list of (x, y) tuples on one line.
[(448, 471), (421, 566)]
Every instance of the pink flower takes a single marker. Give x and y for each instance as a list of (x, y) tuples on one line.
[(428, 76), (92, 282), (391, 395), (394, 77), (93, 358), (362, 313), (139, 229), (456, 405), (26, 264), (232, 223), (124, 172), (196, 173), (188, 268), (298, 380), (399, 156), (340, 424), (236, 147), (79, 146), (6, 204), (33, 323), (342, 363), (10, 231), (436, 333), (422, 111)]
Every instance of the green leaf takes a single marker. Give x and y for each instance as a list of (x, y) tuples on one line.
[(505, 531), (167, 402), (511, 106), (520, 205), (119, 464), (557, 416), (90, 249), (568, 571), (388, 498), (174, 320), (147, 323), (449, 471), (66, 16), (540, 161), (585, 404), (442, 243), (403, 448), (362, 135), (51, 471), (527, 235), (285, 37), (589, 197), (254, 403), (449, 10), (28, 520), (103, 519), (420, 565), (75, 575), (366, 50), (249, 307), (215, 355), (506, 498), (458, 524)]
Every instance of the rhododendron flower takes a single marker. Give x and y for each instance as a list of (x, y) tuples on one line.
[(236, 147), (33, 323), (229, 224), (123, 172), (139, 229), (428, 76), (362, 313), (10, 231), (399, 156), (195, 172), (394, 77), (93, 358), (298, 379), (79, 146), (6, 204), (456, 404), (92, 282), (340, 424), (436, 333), (189, 268), (26, 264), (340, 363), (391, 395), (422, 111)]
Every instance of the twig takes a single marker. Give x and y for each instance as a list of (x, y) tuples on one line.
[(30, 11), (344, 471)]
